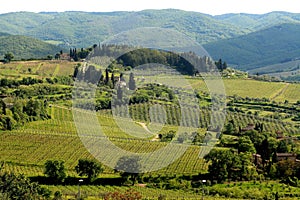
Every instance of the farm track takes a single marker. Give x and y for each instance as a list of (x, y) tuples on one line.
[(38, 67), (280, 92), (55, 73)]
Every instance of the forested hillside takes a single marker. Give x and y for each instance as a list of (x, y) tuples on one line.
[(80, 29), (23, 47), (277, 44)]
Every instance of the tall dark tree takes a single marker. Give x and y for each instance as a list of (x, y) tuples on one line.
[(106, 80), (224, 65), (112, 78), (9, 123), (76, 71), (119, 93), (122, 77), (92, 75), (75, 55), (3, 107), (101, 76), (219, 64), (131, 83), (268, 148), (75, 58), (71, 53), (57, 56)]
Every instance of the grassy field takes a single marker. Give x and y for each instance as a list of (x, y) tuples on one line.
[(37, 69), (277, 91), (290, 93)]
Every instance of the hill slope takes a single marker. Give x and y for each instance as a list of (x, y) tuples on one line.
[(255, 22), (273, 45), (247, 40), (26, 47), (82, 29)]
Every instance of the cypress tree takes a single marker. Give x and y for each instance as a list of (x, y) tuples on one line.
[(131, 83), (112, 78), (106, 76)]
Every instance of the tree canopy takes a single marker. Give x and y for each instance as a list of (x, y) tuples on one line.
[(89, 168), (55, 170), (129, 168), (18, 187), (8, 57)]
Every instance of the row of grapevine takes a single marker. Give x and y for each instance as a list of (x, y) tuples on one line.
[(33, 148), (98, 192), (270, 125), (188, 116)]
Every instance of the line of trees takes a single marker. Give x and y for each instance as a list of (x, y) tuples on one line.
[(82, 54), (180, 62), (128, 167), (22, 111), (186, 63), (56, 172), (4, 82)]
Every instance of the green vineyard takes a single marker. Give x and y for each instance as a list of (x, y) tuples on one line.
[(57, 139), (173, 117), (27, 148)]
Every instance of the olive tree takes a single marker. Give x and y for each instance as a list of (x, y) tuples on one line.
[(89, 168)]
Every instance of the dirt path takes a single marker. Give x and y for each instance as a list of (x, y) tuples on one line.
[(156, 138), (144, 126), (280, 92), (56, 70)]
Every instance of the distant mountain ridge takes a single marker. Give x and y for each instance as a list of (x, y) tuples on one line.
[(276, 44), (76, 28), (81, 29), (256, 22), (247, 41)]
